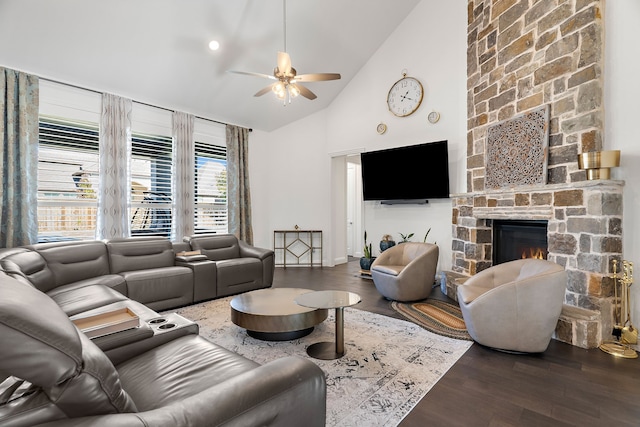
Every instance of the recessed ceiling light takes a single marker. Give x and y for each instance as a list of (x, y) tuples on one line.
[(214, 45)]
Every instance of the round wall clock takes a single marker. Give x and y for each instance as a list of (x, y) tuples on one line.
[(405, 96), (381, 128), (433, 117)]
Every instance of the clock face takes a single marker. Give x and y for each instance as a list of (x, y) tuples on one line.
[(405, 96)]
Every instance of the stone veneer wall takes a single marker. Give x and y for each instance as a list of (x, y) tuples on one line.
[(523, 54), (527, 53)]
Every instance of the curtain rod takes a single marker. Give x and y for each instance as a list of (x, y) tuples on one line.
[(133, 100)]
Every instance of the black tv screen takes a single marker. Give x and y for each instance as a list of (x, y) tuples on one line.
[(411, 173)]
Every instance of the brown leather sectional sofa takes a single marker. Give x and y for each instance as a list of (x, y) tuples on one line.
[(161, 373)]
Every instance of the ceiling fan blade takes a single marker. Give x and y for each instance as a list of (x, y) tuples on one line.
[(284, 63), (317, 77), (249, 73), (265, 90), (306, 92)]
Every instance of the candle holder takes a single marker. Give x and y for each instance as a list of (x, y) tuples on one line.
[(598, 164)]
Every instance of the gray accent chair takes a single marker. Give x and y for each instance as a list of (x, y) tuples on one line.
[(51, 374), (514, 306), (406, 272)]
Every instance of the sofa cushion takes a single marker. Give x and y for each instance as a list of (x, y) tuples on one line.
[(73, 299), (161, 288), (28, 263), (179, 369), (140, 253), (71, 262), (238, 275), (216, 246)]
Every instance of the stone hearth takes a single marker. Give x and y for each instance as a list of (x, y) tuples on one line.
[(584, 235)]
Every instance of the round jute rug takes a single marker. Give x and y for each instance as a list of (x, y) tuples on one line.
[(439, 317)]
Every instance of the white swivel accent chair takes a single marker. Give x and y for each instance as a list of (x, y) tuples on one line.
[(514, 306), (406, 272)]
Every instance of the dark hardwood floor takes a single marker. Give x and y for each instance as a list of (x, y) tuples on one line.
[(564, 386)]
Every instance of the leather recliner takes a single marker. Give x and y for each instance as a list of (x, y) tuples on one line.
[(406, 272), (239, 266), (148, 267), (74, 274), (52, 373), (515, 305)]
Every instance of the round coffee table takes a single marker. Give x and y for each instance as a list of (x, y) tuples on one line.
[(272, 314)]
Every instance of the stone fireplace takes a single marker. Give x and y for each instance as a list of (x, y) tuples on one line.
[(522, 55), (584, 234)]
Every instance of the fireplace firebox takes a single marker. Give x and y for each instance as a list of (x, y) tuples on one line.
[(517, 239)]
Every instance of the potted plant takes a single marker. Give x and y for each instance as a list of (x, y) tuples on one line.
[(405, 237), (367, 259), (386, 242)]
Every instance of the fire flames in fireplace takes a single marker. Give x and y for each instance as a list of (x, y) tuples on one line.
[(537, 253)]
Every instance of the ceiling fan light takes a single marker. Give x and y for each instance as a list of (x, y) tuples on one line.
[(293, 90), (279, 89)]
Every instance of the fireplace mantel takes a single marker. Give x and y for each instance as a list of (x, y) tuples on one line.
[(602, 183)]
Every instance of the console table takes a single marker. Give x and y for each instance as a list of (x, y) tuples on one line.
[(298, 247)]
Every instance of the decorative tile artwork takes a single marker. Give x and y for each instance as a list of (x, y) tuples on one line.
[(517, 151)]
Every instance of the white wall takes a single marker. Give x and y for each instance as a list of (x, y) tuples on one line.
[(291, 179), (431, 47), (622, 92)]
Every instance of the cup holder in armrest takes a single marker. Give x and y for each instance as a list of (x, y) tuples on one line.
[(166, 326), (171, 323)]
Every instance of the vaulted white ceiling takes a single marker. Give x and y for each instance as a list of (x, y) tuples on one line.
[(156, 51)]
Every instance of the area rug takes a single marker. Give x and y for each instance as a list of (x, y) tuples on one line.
[(434, 315), (390, 364)]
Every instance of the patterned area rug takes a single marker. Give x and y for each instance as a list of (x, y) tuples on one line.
[(390, 364), (439, 317)]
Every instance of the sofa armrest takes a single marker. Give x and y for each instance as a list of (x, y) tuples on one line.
[(204, 278), (286, 392), (190, 258), (247, 250)]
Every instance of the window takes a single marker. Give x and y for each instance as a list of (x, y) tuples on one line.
[(150, 185), (210, 189), (67, 179)]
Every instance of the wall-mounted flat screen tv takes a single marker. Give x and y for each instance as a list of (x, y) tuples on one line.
[(412, 173)]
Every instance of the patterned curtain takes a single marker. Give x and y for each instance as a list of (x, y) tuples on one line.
[(238, 196), (115, 152), (183, 179), (19, 104)]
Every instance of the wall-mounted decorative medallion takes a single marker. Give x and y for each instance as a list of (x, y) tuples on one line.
[(516, 150)]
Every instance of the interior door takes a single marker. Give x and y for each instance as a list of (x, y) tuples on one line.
[(351, 208)]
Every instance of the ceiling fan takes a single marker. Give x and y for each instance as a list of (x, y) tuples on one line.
[(288, 82)]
